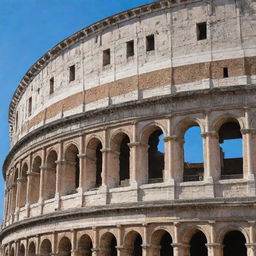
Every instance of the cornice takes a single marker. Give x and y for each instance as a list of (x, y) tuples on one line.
[(133, 207), (82, 34), (40, 131)]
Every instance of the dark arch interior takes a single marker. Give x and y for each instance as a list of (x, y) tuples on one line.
[(98, 165), (229, 135), (155, 158), (22, 251), (32, 250), (137, 249), (65, 247), (46, 248), (124, 161), (113, 244), (234, 244), (85, 246), (197, 244), (165, 243)]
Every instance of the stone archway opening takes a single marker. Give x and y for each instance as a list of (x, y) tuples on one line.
[(35, 180), (23, 187), (65, 247), (231, 156), (198, 244), (12, 252), (21, 250), (85, 246), (162, 243), (193, 154), (155, 156), (98, 181), (234, 244), (71, 177), (46, 248), (32, 249), (108, 245), (50, 175)]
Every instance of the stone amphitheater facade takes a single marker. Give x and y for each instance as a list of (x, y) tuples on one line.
[(84, 175)]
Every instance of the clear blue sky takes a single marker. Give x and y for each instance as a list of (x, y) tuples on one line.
[(28, 28)]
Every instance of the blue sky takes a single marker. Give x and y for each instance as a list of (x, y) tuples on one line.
[(29, 28)]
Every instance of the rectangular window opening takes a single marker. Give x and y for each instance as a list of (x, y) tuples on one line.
[(225, 72), (130, 49), (72, 73), (52, 85), (150, 43), (106, 57), (201, 31), (29, 106)]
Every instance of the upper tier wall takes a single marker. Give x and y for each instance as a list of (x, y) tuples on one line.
[(179, 61)]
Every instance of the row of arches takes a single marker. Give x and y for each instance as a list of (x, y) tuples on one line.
[(152, 156), (162, 244)]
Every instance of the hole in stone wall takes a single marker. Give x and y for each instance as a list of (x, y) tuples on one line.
[(166, 248), (130, 49), (72, 73), (193, 155), (155, 157), (106, 57), (52, 85), (46, 248), (32, 250), (201, 31), (231, 157), (150, 43), (225, 72), (137, 249), (29, 106)]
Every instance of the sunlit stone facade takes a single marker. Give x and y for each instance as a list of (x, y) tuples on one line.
[(84, 175)]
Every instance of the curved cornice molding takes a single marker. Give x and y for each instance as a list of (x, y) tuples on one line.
[(122, 208), (93, 29)]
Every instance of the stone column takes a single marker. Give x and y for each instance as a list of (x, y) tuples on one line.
[(109, 177), (248, 168), (95, 242), (139, 163), (212, 166), (175, 161), (74, 243), (251, 246)]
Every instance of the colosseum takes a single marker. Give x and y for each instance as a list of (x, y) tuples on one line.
[(85, 175)]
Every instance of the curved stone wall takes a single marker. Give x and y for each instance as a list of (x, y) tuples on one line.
[(85, 176)]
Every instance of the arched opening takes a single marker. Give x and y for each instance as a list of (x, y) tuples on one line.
[(46, 248), (70, 179), (21, 250), (162, 241), (6, 252), (14, 191), (35, 180), (133, 242), (85, 246), (193, 155), (198, 244), (23, 185), (108, 244), (234, 244), (65, 247), (93, 175), (32, 249), (50, 175), (12, 252), (155, 156), (231, 156), (120, 161), (124, 162)]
